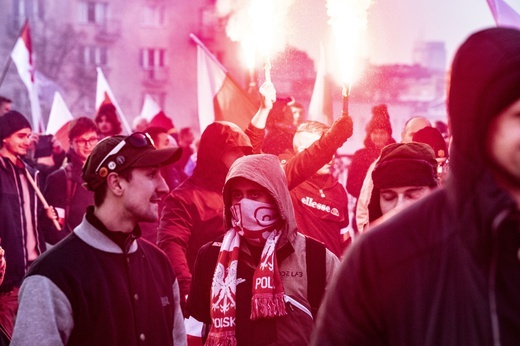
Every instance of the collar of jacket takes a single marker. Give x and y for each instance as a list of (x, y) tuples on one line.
[(123, 240)]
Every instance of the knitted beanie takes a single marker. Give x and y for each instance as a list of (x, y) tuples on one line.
[(434, 139), (11, 122), (380, 120)]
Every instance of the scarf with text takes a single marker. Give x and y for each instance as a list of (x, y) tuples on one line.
[(256, 221)]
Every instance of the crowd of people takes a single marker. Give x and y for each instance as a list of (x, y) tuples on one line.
[(239, 237)]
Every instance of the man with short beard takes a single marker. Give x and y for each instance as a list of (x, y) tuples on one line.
[(102, 284)]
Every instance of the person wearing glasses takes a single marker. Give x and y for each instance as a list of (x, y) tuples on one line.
[(103, 284), (63, 188)]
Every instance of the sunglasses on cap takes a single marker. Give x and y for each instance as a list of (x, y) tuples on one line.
[(136, 140)]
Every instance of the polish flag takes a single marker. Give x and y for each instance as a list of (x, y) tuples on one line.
[(193, 331), (320, 106), (23, 59), (59, 120), (219, 96), (155, 115), (104, 94), (505, 15)]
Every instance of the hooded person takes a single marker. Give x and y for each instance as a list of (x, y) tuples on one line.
[(192, 213), (251, 288), (445, 271)]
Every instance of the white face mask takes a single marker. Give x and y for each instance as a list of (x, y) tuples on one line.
[(255, 220)]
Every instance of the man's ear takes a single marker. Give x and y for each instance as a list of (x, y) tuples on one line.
[(114, 184)]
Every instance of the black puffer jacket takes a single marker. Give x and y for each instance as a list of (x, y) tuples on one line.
[(446, 270)]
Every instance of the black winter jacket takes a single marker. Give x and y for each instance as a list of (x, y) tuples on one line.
[(446, 270), (64, 189), (13, 228)]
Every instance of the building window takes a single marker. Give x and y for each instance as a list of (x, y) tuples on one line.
[(153, 15), (24, 9), (153, 62), (153, 57), (93, 55), (93, 12), (38, 9)]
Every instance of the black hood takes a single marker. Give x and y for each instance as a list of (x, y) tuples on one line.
[(485, 80), (217, 138)]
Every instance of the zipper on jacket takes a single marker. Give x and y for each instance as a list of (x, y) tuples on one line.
[(493, 308), (293, 302)]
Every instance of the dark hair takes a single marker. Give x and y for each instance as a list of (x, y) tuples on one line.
[(101, 192), (80, 126), (155, 131), (5, 100), (185, 131), (109, 111), (280, 113)]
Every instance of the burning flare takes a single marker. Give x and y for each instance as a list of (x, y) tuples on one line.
[(348, 20), (259, 26)]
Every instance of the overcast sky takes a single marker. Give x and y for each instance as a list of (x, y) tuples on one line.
[(394, 25)]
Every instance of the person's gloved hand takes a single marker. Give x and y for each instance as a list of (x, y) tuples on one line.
[(341, 130)]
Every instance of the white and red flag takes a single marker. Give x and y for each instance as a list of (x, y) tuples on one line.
[(59, 119), (320, 106), (504, 14), (219, 96), (155, 115), (22, 56), (104, 94)]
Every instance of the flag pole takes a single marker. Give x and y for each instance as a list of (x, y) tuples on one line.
[(201, 45), (41, 197), (110, 93), (9, 59)]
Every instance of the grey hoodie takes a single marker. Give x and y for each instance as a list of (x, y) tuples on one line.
[(265, 170), (296, 327)]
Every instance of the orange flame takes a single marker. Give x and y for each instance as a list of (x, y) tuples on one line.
[(257, 24), (348, 20)]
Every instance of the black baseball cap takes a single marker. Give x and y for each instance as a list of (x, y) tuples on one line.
[(117, 153)]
